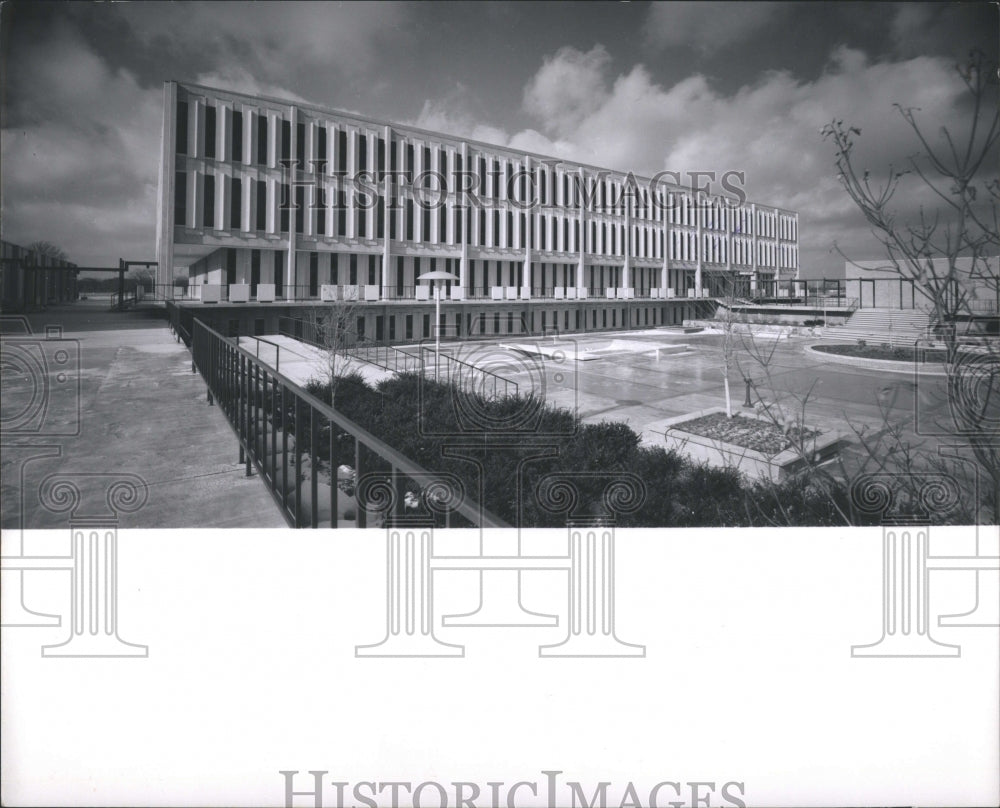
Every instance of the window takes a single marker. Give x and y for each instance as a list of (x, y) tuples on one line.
[(510, 322), (427, 326), (427, 168), (254, 274), (372, 280), (259, 326), (236, 146), (353, 271), (341, 214), (381, 159), (362, 231), (379, 333), (313, 274), (261, 205), (392, 328), (209, 207), (262, 140), (361, 328), (320, 211), (496, 229), (286, 203), (496, 322), (380, 214), (425, 228), (342, 151), (409, 162), (409, 326), (399, 276), (458, 226), (321, 148), (286, 141), (182, 127), (409, 220), (443, 225), (180, 198), (279, 275), (210, 114), (235, 204)]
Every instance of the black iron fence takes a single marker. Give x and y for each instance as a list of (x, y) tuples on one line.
[(310, 457)]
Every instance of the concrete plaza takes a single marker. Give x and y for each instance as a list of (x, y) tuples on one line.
[(142, 411)]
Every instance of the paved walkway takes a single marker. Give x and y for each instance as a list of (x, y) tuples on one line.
[(139, 410)]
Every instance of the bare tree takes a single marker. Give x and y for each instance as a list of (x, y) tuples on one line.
[(333, 329), (46, 249), (946, 254)]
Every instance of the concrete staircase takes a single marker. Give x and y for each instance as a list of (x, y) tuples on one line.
[(882, 325)]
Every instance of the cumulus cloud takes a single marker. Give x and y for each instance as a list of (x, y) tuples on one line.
[(769, 130), (568, 87), (707, 27)]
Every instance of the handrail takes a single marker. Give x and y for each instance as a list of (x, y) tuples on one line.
[(256, 397), (398, 360)]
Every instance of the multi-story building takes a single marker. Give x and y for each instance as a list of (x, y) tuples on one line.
[(267, 202), (31, 280)]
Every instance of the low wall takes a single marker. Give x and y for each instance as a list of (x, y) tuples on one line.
[(751, 463)]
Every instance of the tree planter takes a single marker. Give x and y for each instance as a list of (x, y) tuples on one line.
[(750, 462)]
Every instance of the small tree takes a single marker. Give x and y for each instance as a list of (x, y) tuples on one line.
[(333, 329)]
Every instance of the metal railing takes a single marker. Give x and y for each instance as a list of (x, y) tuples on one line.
[(278, 348), (447, 368), (299, 445)]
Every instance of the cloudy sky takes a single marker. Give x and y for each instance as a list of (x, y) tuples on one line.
[(642, 86)]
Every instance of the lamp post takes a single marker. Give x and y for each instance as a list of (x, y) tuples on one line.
[(437, 275)]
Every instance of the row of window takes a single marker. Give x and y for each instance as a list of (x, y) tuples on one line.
[(490, 177), (485, 228)]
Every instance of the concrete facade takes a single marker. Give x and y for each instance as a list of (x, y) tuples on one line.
[(255, 191)]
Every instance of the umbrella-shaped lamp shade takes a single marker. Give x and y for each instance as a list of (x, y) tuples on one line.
[(437, 275)]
